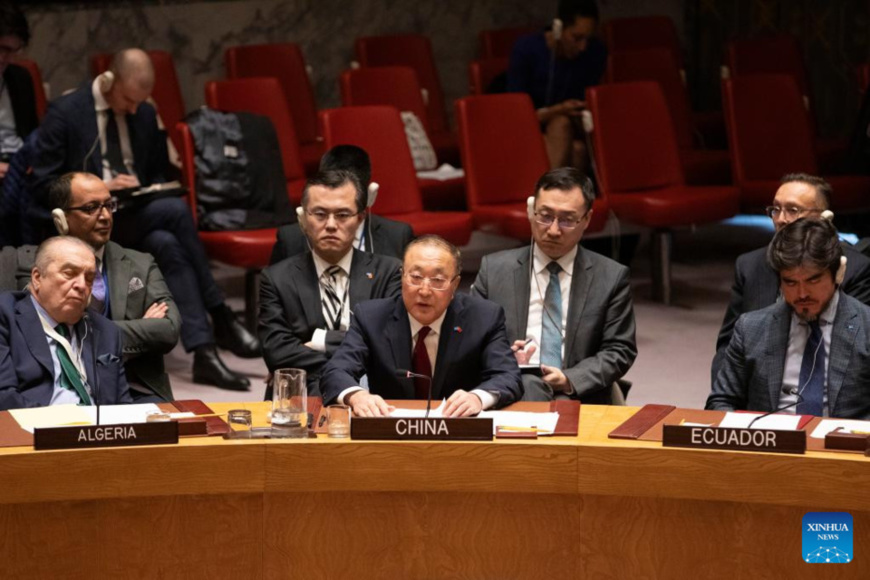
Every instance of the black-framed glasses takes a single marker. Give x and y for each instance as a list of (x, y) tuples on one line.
[(565, 223), (437, 283), (323, 216), (790, 211), (96, 207)]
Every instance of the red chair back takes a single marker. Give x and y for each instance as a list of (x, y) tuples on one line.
[(502, 151), (378, 130), (498, 43), (415, 51), (482, 72), (862, 72), (262, 96), (38, 87), (283, 61), (395, 86), (635, 143), (780, 54), (641, 33), (657, 65), (187, 153), (768, 130)]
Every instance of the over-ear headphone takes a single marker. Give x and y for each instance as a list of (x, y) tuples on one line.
[(841, 271), (557, 28), (106, 80), (530, 207), (828, 215), (59, 218), (373, 193)]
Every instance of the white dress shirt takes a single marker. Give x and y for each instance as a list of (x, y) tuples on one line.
[(10, 142), (342, 288), (101, 106)]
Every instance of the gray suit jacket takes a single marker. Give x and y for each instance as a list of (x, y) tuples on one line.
[(754, 362), (135, 283), (600, 343)]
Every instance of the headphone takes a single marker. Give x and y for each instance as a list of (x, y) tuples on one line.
[(58, 216), (530, 207), (841, 270), (106, 80)]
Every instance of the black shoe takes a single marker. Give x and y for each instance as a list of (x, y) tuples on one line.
[(209, 369), (232, 335)]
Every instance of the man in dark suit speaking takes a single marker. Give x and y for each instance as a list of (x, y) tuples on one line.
[(810, 352), (457, 340), (50, 353)]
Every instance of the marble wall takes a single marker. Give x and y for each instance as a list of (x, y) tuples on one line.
[(196, 33)]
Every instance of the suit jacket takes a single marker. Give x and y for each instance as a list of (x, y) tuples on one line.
[(23, 99), (754, 362), (290, 308), (68, 141), (387, 237), (600, 339), (756, 286), (473, 352), (26, 367)]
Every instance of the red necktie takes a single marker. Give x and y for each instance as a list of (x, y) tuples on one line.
[(422, 365)]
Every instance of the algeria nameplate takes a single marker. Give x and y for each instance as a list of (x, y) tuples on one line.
[(732, 439), (420, 429), (76, 437)]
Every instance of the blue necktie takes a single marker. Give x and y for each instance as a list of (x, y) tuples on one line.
[(98, 291), (551, 325), (812, 377)]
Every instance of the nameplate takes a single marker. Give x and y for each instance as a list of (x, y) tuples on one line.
[(80, 437), (768, 440), (419, 429), (840, 441)]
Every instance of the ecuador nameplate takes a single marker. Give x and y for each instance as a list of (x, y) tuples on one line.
[(768, 440), (83, 436), (420, 429)]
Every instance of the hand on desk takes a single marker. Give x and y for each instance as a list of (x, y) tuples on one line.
[(462, 404), (365, 404)]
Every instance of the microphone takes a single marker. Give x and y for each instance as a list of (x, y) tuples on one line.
[(406, 374), (785, 391), (89, 329)]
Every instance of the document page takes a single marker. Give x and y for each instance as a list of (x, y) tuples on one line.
[(777, 422), (435, 413), (53, 416), (544, 423), (827, 425)]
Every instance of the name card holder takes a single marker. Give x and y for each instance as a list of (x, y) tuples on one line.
[(843, 441), (420, 429), (127, 434), (732, 439)]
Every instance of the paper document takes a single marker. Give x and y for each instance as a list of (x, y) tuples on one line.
[(544, 423), (118, 414), (777, 422), (419, 413), (827, 425), (65, 415), (443, 173)]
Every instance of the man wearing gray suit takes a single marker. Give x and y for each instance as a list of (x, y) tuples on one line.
[(568, 310), (809, 353)]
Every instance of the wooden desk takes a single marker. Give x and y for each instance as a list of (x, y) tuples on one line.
[(552, 508)]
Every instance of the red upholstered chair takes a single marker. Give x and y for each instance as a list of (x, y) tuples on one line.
[(700, 166), (397, 86), (38, 87), (166, 93), (862, 73), (504, 156), (643, 32), (639, 170), (248, 249), (415, 51), (482, 72), (263, 96), (285, 62), (770, 135), (379, 130), (499, 42)]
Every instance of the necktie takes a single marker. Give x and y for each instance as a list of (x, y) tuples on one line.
[(812, 376), (332, 304), (551, 324), (98, 291), (113, 146), (422, 365), (70, 378)]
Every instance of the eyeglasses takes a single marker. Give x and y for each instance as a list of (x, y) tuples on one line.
[(547, 220), (96, 207), (323, 216), (439, 284), (791, 211)]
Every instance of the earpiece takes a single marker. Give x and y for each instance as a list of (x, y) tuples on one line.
[(841, 271), (557, 29), (530, 207), (373, 194), (59, 219), (107, 79), (828, 215), (300, 212)]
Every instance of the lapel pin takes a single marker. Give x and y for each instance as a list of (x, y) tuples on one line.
[(457, 329), (370, 276)]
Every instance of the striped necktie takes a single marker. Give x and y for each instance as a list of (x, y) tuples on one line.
[(70, 378), (332, 304)]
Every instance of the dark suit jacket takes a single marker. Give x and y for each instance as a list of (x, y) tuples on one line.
[(387, 237), (23, 99), (600, 341), (290, 308), (68, 141), (26, 368), (473, 352), (756, 286), (754, 362)]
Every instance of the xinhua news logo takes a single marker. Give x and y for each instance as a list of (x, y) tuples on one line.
[(827, 538)]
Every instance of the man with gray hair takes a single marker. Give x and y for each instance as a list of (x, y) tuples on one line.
[(51, 352), (809, 353)]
